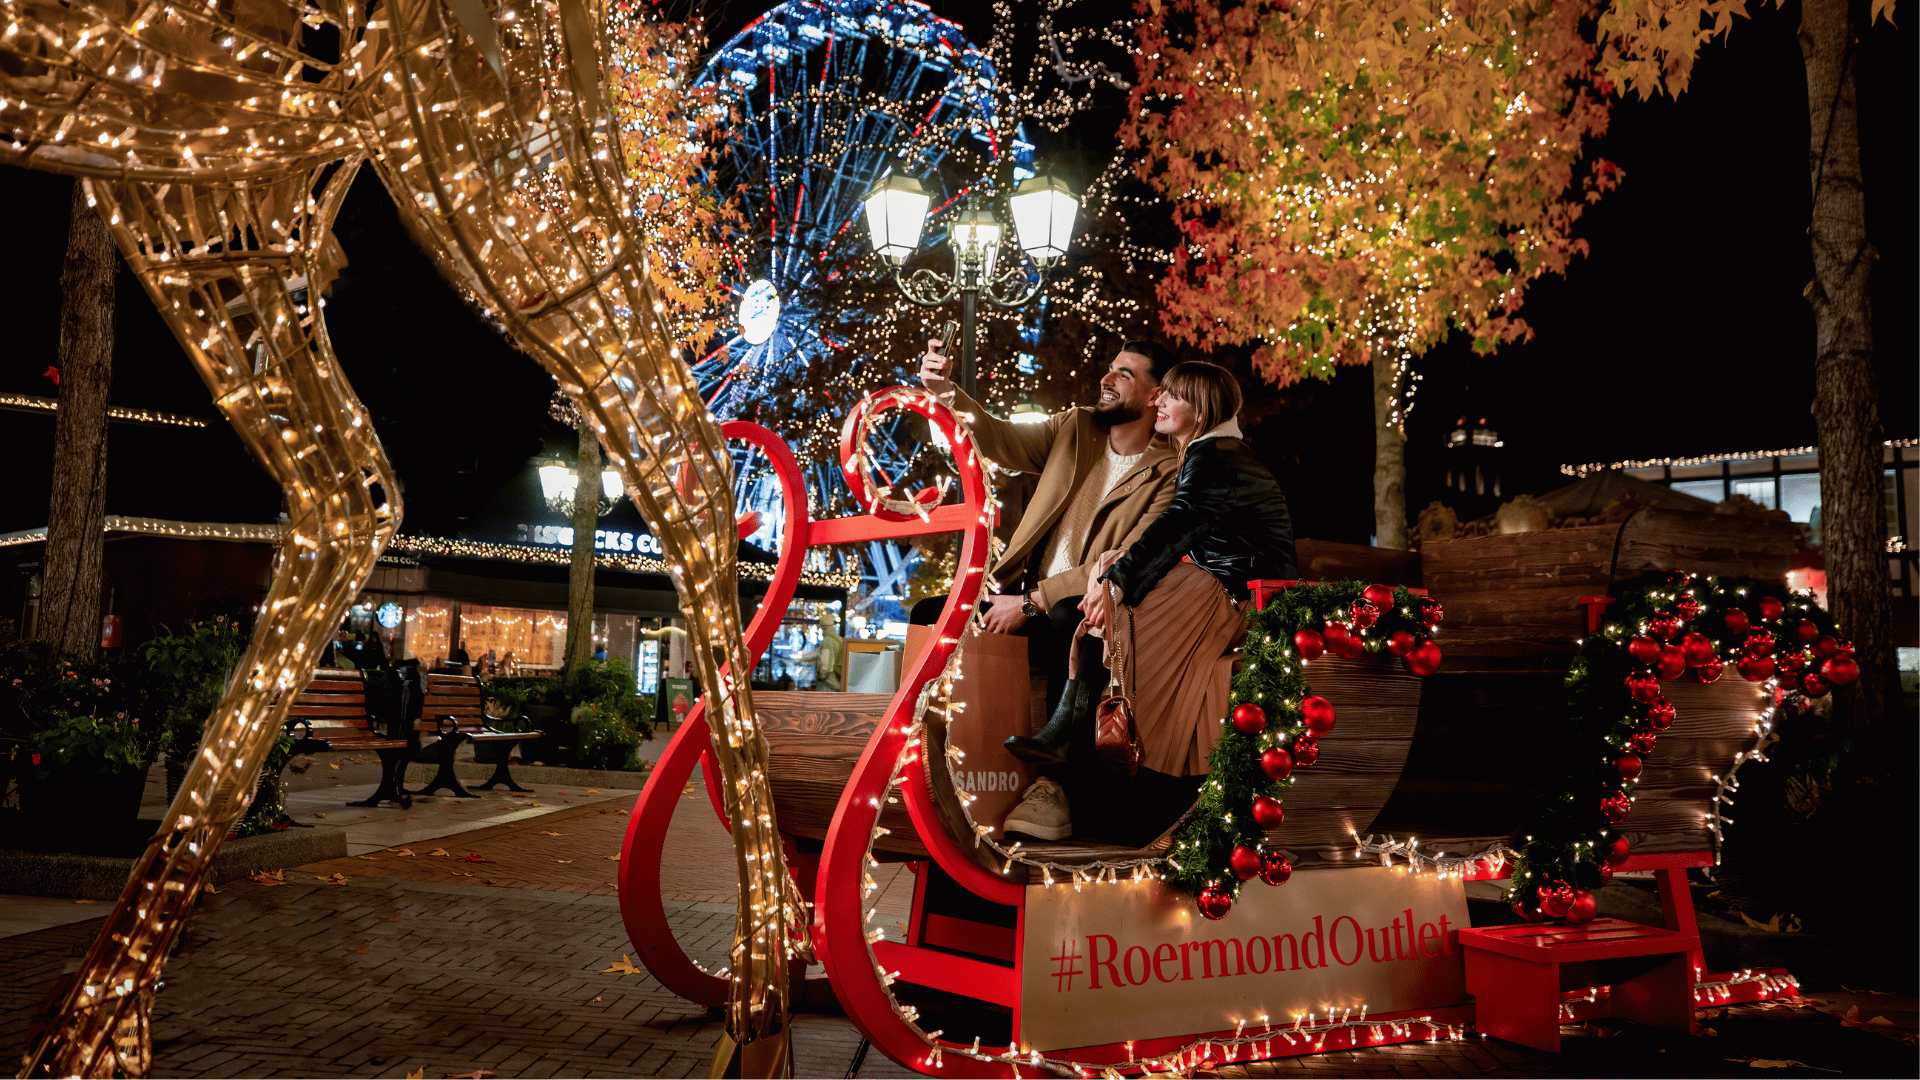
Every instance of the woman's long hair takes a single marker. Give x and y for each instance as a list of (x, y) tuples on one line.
[(1211, 389)]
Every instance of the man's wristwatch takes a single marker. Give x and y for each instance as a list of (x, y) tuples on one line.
[(1028, 607)]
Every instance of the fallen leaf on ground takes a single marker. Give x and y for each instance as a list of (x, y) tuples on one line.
[(362, 948), (1852, 1020), (461, 873), (332, 765), (1708, 1032), (406, 852), (563, 860), (536, 804), (442, 852), (474, 856), (619, 811), (332, 879), (1777, 924), (590, 791), (614, 858), (559, 793), (208, 887), (596, 999), (418, 1074), (317, 813), (268, 877), (477, 1074), (395, 917), (624, 967), (1772, 1063), (86, 901), (496, 883), (543, 832), (369, 858)]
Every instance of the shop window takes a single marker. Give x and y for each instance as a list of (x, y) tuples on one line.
[(517, 638), (1713, 490), (1800, 496)]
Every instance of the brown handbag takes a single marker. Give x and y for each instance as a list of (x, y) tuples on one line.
[(1116, 737)]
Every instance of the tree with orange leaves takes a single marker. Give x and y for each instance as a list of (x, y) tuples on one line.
[(1355, 181)]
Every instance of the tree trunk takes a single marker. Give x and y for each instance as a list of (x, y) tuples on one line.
[(586, 514), (1389, 452), (1846, 395), (77, 514)]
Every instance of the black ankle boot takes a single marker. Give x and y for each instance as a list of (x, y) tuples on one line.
[(1048, 746)]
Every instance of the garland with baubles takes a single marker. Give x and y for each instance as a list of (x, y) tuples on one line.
[(1277, 723), (1665, 625)]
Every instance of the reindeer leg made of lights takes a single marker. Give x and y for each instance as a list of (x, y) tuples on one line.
[(497, 141), (225, 264)]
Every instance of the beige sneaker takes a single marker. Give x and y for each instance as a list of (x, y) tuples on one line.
[(1042, 813)]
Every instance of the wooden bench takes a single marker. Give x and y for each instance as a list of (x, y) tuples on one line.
[(330, 716), (1516, 975), (454, 713)]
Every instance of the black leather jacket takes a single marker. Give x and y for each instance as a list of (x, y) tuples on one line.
[(1227, 515)]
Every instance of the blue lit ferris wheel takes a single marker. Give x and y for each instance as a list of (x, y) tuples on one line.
[(817, 100)]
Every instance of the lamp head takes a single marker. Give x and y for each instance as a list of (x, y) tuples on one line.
[(976, 234), (896, 210), (1044, 208)]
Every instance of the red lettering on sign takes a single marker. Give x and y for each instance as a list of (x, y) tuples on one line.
[(1162, 953), (1094, 963), (1359, 941), (1146, 966), (1446, 941), (1428, 932), (1259, 965), (1319, 946), (1293, 951), (1206, 957)]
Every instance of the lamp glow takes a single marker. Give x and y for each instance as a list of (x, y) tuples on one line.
[(896, 211), (1044, 209)]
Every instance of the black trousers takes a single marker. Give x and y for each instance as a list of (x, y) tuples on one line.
[(1049, 640)]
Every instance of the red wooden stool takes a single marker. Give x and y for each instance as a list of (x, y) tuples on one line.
[(1516, 977)]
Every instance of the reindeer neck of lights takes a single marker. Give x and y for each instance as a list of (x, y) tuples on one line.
[(219, 140)]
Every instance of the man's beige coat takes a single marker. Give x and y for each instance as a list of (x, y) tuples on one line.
[(1063, 451)]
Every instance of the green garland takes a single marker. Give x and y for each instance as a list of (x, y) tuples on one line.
[(1273, 678), (1568, 843)]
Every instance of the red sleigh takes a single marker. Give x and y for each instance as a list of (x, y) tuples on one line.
[(869, 778)]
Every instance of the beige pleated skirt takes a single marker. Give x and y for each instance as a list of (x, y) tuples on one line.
[(1184, 635)]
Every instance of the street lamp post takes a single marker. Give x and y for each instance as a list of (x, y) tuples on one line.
[(1043, 208)]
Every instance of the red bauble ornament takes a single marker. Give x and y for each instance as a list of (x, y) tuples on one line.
[(1249, 718), (1673, 662), (1790, 664), (1844, 645), (1687, 608), (1379, 596), (1642, 742), (1840, 670), (1583, 908), (1310, 644), (1317, 713), (1522, 910), (1616, 807), (1605, 872), (1400, 643), (1644, 650), (1617, 851), (1663, 625), (1807, 630), (1771, 608), (1353, 648), (1643, 685), (1660, 714), (1737, 621), (1244, 861), (1306, 751), (1364, 613), (1214, 902), (1424, 660), (1757, 643), (1274, 868), (1755, 668), (1555, 898), (1629, 766), (1825, 646), (1697, 648), (1277, 764), (1267, 812), (1334, 635), (1709, 672), (1431, 612)]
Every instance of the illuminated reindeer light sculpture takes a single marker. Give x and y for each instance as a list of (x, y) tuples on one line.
[(219, 137)]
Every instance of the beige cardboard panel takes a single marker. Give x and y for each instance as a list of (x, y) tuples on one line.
[(1111, 963)]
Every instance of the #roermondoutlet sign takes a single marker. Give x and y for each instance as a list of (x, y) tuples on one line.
[(1116, 962)]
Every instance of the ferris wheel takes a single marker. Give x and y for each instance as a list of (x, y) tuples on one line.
[(816, 100)]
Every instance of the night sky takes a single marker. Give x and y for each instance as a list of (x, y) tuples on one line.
[(1683, 333)]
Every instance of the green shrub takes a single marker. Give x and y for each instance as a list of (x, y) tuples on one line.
[(607, 739)]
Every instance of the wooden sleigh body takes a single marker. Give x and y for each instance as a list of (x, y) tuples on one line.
[(862, 779)]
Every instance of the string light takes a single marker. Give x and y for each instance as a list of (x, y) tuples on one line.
[(114, 412), (1713, 459), (141, 526)]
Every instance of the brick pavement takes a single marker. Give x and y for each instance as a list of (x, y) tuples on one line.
[(412, 967)]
